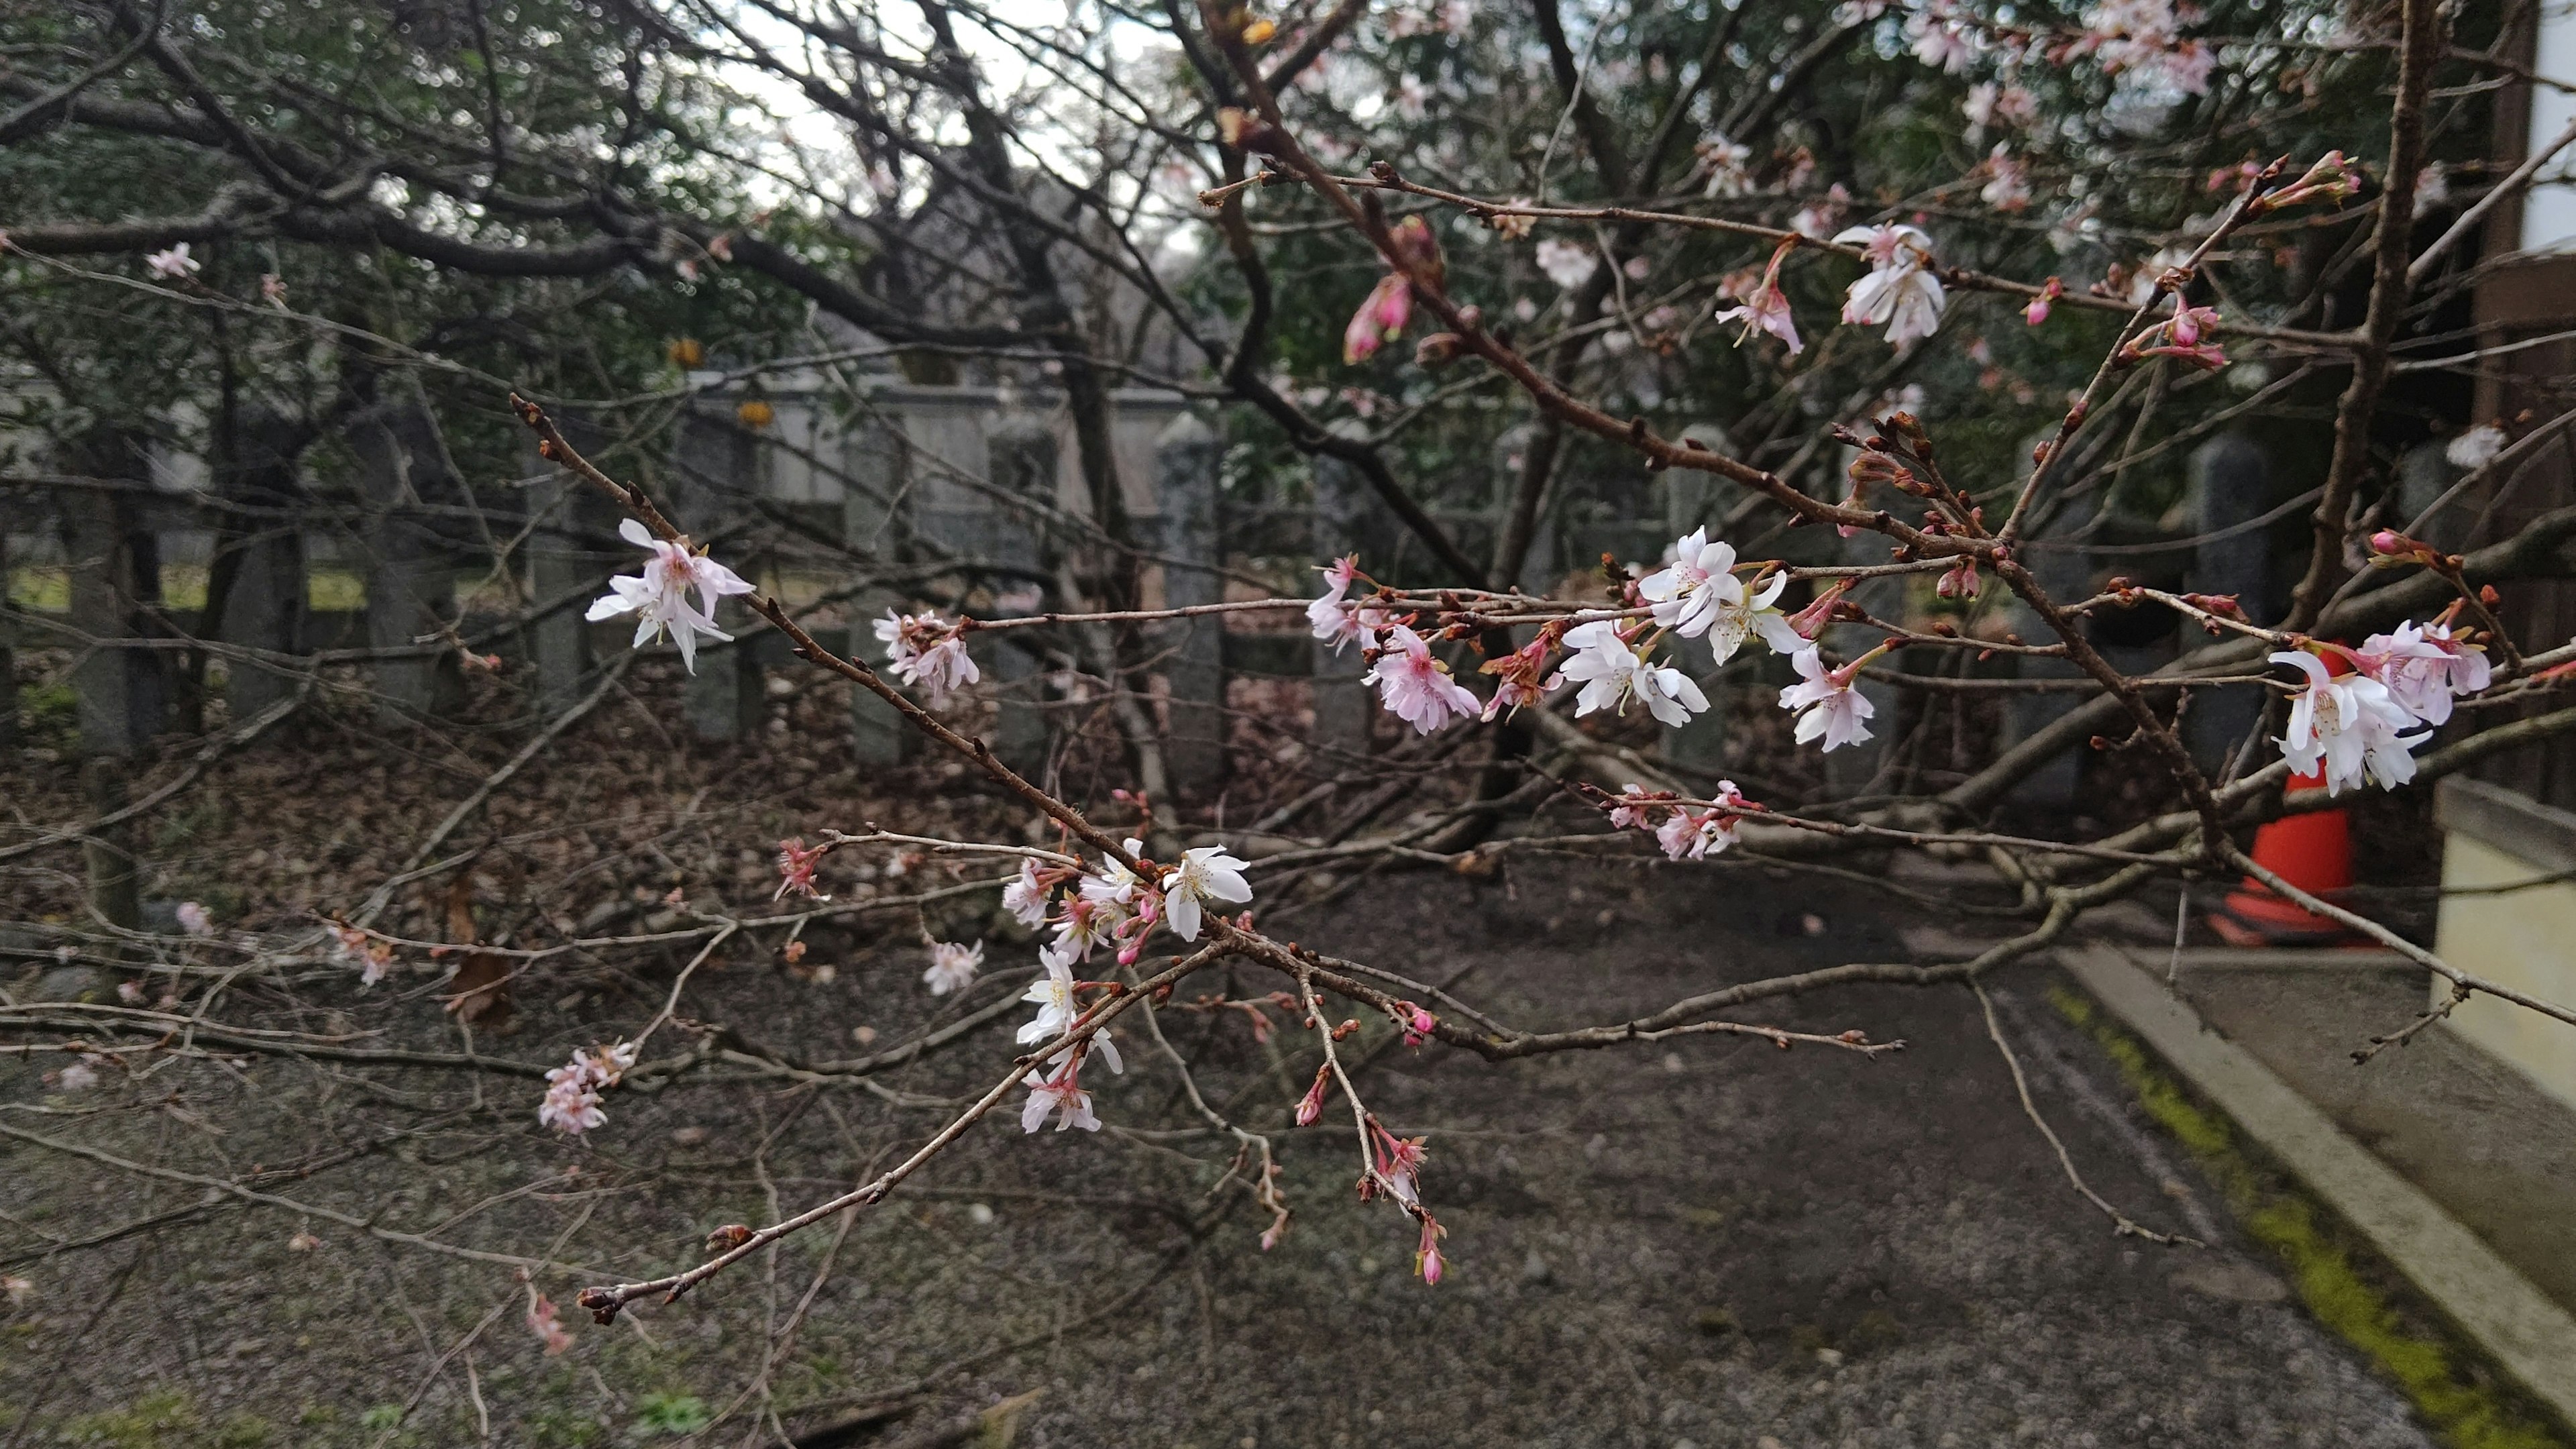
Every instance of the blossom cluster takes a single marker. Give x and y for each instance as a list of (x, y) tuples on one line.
[(2362, 725), (1613, 661), (928, 651), (1116, 908), (571, 1104), (1690, 829)]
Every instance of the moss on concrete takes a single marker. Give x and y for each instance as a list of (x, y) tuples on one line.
[(2441, 1376)]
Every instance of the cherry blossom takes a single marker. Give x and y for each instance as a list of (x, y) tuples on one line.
[(1567, 264), (1695, 835), (1939, 41), (1637, 803), (1059, 1093), (2037, 311), (2475, 448), (659, 596), (194, 920), (1989, 102), (174, 264), (1427, 1263), (1816, 220), (928, 651), (1688, 592), (2182, 337), (2422, 666), (1384, 313), (1311, 1106), (1026, 896), (1381, 318), (571, 1103), (796, 862), (1900, 289), (1767, 309), (542, 1323), (80, 1076), (363, 951), (1205, 873), (1827, 705), (1415, 687), (2348, 724), (1335, 620), (2009, 186), (1727, 176), (1519, 677), (952, 966), (1610, 670), (272, 290)]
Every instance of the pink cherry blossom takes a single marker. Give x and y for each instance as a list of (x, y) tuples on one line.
[(542, 1323), (1331, 617), (2423, 667), (1767, 310), (1417, 688), (194, 920), (2009, 188), (796, 862), (1568, 264)]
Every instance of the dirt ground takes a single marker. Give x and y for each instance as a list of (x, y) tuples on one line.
[(1716, 1244)]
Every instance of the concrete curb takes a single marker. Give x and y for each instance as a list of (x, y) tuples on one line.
[(2530, 1336)]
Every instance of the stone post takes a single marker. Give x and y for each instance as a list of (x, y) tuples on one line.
[(568, 554), (1691, 501), (717, 467), (1019, 459), (411, 581), (1343, 518), (2229, 485), (107, 853), (115, 567), (263, 606), (1187, 459), (873, 527), (8, 658)]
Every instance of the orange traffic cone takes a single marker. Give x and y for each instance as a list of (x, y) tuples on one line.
[(2312, 851)]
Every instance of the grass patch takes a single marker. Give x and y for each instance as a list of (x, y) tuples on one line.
[(2457, 1399)]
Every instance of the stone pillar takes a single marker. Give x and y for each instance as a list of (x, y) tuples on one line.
[(8, 658), (1019, 459), (403, 474), (263, 605), (572, 546), (108, 852), (873, 528), (717, 467), (1187, 460), (1344, 516), (115, 567), (2229, 485), (1691, 501)]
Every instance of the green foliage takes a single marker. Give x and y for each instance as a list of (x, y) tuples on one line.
[(671, 1414), (165, 1419)]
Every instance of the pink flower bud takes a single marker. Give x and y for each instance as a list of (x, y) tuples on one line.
[(1417, 1023), (1426, 1259), (1311, 1106)]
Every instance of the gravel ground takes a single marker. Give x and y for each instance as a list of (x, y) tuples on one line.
[(1705, 1242)]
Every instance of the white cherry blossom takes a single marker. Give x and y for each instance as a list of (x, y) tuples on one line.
[(659, 596), (952, 967), (1828, 707), (2347, 727), (1610, 671), (174, 264), (1900, 289), (1059, 1094), (1205, 873), (1026, 897)]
